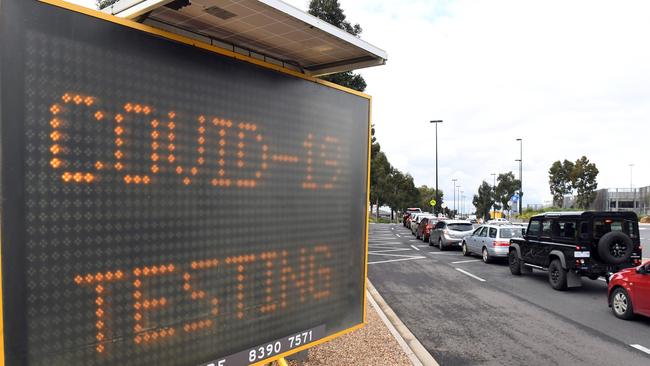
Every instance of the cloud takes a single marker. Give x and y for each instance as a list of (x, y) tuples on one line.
[(571, 78)]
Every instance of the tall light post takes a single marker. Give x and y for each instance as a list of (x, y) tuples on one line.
[(494, 189), (462, 203), (436, 122), (454, 180), (632, 189), (458, 199), (521, 182)]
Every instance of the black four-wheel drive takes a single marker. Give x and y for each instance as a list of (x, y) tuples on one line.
[(570, 245)]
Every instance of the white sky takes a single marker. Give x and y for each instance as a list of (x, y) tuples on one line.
[(570, 77)]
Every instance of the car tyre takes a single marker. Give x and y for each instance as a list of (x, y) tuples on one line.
[(621, 304), (440, 246), (485, 255), (557, 276), (514, 263), (466, 251)]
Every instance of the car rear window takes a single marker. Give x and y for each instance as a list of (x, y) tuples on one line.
[(507, 233), (604, 226), (460, 227)]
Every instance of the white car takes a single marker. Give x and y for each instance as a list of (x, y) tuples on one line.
[(491, 241)]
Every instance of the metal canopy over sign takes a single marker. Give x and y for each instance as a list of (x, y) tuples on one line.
[(261, 28), (164, 205)]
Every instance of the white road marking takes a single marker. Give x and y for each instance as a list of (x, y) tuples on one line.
[(414, 247), (469, 274), (641, 348), (392, 255), (470, 261), (413, 240), (398, 235), (602, 279), (397, 260), (388, 250)]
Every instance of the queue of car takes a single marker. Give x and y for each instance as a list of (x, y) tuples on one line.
[(567, 245)]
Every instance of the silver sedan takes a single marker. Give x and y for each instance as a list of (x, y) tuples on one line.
[(491, 241), (450, 233)]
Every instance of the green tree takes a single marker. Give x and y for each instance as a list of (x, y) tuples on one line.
[(560, 180), (402, 192), (331, 12), (426, 195), (506, 187), (484, 200), (583, 179), (380, 171)]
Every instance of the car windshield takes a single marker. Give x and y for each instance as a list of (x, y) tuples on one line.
[(604, 226), (508, 233), (460, 227)]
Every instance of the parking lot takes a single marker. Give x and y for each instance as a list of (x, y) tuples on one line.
[(466, 312)]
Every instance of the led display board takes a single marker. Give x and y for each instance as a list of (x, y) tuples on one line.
[(167, 205)]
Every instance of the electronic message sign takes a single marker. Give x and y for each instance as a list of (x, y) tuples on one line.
[(167, 205)]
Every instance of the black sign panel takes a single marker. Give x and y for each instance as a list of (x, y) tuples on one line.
[(165, 205)]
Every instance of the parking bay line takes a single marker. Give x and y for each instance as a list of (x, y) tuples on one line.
[(414, 247), (379, 252), (471, 275), (641, 348), (397, 260), (469, 261)]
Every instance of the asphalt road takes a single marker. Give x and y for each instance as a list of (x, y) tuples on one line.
[(466, 312)]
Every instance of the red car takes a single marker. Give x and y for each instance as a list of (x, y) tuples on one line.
[(407, 215), (629, 292), (425, 227)]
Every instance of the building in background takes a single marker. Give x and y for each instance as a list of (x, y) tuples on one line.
[(618, 199)]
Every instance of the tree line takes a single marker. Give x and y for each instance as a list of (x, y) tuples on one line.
[(498, 197), (573, 178)]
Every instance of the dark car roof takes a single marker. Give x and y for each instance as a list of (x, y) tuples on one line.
[(588, 214)]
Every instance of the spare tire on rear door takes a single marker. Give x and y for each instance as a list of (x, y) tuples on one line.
[(615, 247)]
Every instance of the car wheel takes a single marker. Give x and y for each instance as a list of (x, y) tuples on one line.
[(466, 250), (440, 246), (621, 304), (486, 256), (557, 276), (514, 263)]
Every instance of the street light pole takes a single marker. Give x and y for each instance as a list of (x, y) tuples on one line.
[(632, 189), (521, 182), (494, 189), (458, 207), (462, 203), (454, 180), (436, 122)]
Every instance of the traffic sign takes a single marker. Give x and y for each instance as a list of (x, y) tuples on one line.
[(130, 163), (432, 202), (514, 198), (444, 205)]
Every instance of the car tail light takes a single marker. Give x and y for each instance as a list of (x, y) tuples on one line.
[(637, 262), (578, 248), (498, 243)]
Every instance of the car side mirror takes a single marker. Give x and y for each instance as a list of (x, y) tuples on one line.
[(642, 270)]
